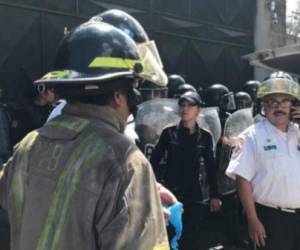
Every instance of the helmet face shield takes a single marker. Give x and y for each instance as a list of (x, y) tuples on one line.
[(242, 104), (242, 100), (152, 65), (153, 93), (228, 101)]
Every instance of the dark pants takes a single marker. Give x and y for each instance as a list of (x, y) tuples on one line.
[(282, 228)]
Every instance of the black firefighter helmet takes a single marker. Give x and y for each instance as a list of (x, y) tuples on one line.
[(125, 22), (148, 52), (91, 55)]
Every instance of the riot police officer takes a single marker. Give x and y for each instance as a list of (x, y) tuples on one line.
[(251, 87), (218, 95), (242, 100)]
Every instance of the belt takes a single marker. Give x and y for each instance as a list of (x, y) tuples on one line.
[(283, 209)]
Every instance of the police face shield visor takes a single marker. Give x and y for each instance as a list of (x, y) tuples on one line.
[(242, 104), (152, 65), (228, 101), (150, 93)]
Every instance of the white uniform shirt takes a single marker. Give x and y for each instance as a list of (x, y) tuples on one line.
[(130, 130), (61, 103), (270, 160)]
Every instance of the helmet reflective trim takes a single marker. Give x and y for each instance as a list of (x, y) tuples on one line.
[(109, 62), (278, 86), (57, 74)]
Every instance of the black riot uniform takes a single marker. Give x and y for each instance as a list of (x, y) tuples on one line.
[(220, 96)]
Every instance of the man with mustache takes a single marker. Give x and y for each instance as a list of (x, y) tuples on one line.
[(266, 167)]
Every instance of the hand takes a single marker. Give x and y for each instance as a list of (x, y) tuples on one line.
[(257, 232), (167, 198), (215, 204)]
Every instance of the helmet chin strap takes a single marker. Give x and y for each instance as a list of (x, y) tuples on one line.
[(133, 100)]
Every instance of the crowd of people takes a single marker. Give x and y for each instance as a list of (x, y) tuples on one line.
[(80, 180)]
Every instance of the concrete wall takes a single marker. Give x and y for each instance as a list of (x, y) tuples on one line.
[(270, 32)]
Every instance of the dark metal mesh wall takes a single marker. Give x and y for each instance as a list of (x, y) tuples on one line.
[(200, 39)]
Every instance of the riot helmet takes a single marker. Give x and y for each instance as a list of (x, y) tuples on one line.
[(183, 89), (279, 83), (242, 100), (174, 81), (148, 52), (151, 91), (200, 90), (251, 87), (218, 95)]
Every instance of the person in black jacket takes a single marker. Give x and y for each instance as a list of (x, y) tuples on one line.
[(185, 145)]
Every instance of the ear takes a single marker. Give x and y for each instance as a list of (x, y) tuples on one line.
[(199, 110), (262, 111), (117, 98)]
